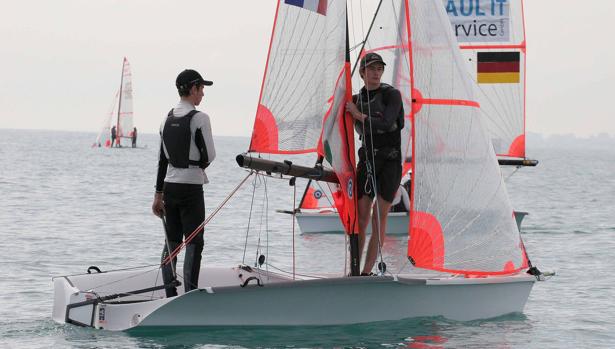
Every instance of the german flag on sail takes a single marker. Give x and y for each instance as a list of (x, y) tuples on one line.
[(318, 6), (498, 67)]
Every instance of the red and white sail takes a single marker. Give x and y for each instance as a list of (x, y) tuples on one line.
[(305, 88), (491, 35), (461, 219), (125, 124), (315, 197)]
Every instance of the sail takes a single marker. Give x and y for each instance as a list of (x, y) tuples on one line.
[(315, 197), (461, 219), (305, 89), (125, 117), (306, 56), (104, 136), (491, 35)]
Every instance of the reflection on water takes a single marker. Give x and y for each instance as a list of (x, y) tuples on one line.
[(410, 333)]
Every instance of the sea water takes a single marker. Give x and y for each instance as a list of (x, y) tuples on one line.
[(66, 206)]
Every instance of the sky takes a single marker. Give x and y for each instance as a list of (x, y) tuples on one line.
[(61, 61)]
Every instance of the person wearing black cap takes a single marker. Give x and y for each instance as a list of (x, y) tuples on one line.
[(379, 118), (186, 149)]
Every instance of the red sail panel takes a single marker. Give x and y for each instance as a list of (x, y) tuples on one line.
[(316, 198), (337, 147)]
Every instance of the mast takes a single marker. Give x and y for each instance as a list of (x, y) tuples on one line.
[(354, 67), (353, 237), (119, 106)]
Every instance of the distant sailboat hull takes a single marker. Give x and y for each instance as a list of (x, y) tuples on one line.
[(327, 221), (282, 301)]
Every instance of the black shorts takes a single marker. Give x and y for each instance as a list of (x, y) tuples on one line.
[(387, 172)]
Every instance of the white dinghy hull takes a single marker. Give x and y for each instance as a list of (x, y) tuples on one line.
[(329, 222), (281, 301)]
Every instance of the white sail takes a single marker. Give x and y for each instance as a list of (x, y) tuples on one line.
[(304, 92), (305, 59), (491, 35), (125, 116), (104, 135), (461, 219)]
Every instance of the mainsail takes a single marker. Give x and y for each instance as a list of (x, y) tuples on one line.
[(104, 136), (491, 35), (305, 87), (124, 124), (461, 219)]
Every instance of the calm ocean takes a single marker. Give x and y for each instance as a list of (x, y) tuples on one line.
[(66, 206)]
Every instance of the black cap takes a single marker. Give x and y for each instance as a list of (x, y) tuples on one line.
[(371, 58), (189, 78)]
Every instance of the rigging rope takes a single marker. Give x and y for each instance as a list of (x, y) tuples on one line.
[(293, 220), (370, 171), (204, 223), (513, 172), (245, 246)]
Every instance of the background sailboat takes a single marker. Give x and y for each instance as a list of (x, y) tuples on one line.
[(492, 41), (462, 234), (121, 114)]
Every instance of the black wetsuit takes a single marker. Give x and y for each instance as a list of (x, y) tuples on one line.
[(134, 137), (183, 202), (381, 139), (113, 135)]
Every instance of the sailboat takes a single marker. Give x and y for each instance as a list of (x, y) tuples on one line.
[(120, 116), (317, 213), (466, 258), (491, 36)]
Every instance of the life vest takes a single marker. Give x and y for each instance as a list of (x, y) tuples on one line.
[(177, 137), (376, 106)]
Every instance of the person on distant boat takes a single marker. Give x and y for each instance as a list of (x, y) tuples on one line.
[(186, 149), (379, 118), (113, 136), (134, 137)]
